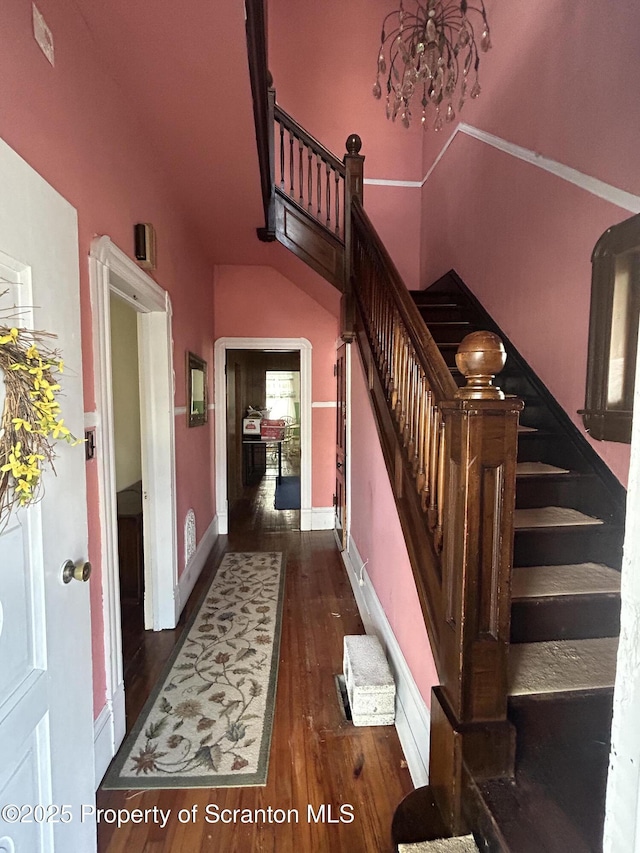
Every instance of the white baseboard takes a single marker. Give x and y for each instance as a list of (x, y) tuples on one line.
[(323, 518), (413, 719), (195, 565), (108, 733), (102, 742)]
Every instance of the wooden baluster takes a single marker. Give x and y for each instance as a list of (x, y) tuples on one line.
[(319, 186), (300, 172), (389, 343), (414, 426), (380, 319), (281, 155), (402, 383), (440, 497), (328, 195), (432, 512), (309, 179), (419, 423), (337, 189), (406, 405), (428, 423), (291, 163), (395, 358), (421, 478)]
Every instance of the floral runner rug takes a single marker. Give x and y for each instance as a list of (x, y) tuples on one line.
[(208, 722)]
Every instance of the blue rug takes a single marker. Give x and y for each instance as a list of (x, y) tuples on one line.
[(288, 493)]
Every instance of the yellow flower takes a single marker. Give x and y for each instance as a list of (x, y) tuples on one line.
[(59, 429), (19, 423), (10, 338)]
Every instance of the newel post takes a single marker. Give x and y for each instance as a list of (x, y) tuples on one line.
[(353, 187), (470, 730)]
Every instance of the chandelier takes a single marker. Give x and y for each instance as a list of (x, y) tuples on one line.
[(430, 55)]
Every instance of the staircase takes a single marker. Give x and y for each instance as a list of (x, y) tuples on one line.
[(568, 532), (514, 532)]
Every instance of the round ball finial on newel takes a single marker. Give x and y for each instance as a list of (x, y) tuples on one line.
[(480, 356), (353, 144)]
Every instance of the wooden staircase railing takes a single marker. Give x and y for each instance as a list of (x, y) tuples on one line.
[(450, 452), (451, 456)]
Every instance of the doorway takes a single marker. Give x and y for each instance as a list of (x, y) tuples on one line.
[(113, 273), (128, 472), (263, 467), (227, 435)]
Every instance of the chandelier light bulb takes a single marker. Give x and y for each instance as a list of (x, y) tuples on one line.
[(429, 53)]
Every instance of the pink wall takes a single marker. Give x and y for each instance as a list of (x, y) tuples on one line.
[(520, 237), (526, 255), (376, 530), (259, 302), (73, 126)]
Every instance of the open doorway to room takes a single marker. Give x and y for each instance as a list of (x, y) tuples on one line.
[(128, 472), (263, 404)]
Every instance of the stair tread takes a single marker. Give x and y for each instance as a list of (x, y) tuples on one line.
[(553, 516), (523, 428), (527, 469), (562, 666), (461, 844), (574, 579)]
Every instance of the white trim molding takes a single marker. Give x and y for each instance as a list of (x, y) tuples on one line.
[(413, 720), (622, 812), (220, 403), (324, 404), (621, 198), (384, 182), (322, 518), (111, 271), (108, 733)]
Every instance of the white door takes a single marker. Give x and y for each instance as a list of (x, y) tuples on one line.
[(46, 728)]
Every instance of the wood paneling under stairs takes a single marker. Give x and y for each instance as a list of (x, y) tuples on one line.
[(316, 755)]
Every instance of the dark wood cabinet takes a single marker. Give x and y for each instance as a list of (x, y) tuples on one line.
[(130, 543)]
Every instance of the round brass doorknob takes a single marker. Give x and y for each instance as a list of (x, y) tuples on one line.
[(79, 572)]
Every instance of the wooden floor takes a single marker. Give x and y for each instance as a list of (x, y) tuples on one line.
[(317, 757)]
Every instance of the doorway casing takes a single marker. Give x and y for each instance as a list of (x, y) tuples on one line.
[(112, 271), (301, 345)]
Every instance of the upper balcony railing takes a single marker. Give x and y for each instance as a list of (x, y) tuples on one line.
[(308, 173)]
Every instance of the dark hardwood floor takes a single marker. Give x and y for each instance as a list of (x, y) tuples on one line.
[(317, 757)]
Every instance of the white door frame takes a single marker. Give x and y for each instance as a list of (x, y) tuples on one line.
[(303, 346), (112, 271)]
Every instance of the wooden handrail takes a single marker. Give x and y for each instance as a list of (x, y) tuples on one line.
[(428, 354), (263, 98)]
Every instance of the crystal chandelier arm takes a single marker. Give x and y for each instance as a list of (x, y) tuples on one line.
[(431, 50)]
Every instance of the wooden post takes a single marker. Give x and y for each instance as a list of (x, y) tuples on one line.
[(353, 187), (469, 713)]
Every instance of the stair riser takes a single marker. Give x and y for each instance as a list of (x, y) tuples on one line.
[(566, 745), (438, 313), (541, 447), (565, 618), (566, 545), (450, 333), (581, 493)]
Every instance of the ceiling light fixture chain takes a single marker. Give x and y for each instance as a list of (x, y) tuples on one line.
[(431, 52)]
